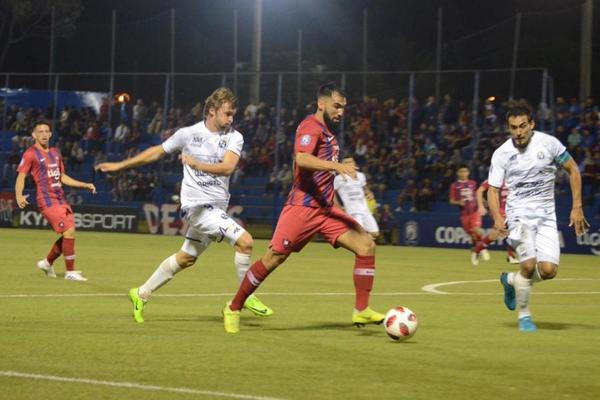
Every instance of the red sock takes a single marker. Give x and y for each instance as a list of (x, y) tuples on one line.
[(55, 251), (482, 244), (255, 275), (364, 273), (68, 249)]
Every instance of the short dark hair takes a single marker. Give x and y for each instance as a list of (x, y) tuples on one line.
[(41, 122), (462, 165), (327, 90), (517, 111)]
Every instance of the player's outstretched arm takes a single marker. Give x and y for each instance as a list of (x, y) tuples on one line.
[(224, 168), (147, 156), (67, 180), (19, 186), (493, 198), (577, 219), (312, 163)]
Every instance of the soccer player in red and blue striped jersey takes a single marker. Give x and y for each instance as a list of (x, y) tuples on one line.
[(310, 210), (46, 166), (462, 194)]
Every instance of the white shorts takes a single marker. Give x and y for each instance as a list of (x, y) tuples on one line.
[(366, 220), (534, 238), (208, 224)]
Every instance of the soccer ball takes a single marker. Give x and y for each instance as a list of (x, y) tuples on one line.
[(400, 323)]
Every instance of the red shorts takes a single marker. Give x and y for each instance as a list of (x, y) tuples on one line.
[(470, 222), (60, 217), (298, 224)]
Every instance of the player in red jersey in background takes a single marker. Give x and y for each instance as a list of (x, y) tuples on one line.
[(493, 235), (462, 194), (45, 164), (309, 210)]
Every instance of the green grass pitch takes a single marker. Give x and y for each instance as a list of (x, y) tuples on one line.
[(72, 340)]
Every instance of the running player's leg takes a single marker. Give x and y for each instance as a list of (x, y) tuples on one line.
[(243, 253), (46, 264), (472, 230), (195, 243), (547, 250), (295, 227), (61, 219), (340, 230), (522, 236)]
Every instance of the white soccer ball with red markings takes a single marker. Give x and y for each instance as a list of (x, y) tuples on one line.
[(400, 323)]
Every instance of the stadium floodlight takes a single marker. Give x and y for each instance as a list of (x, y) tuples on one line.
[(122, 97)]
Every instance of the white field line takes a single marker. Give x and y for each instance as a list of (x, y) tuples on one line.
[(427, 290), (131, 385), (433, 287)]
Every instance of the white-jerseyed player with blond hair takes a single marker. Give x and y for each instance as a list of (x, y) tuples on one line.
[(354, 194), (210, 152), (528, 162)]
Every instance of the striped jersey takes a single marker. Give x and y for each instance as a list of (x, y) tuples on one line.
[(314, 188), (46, 168), (465, 191)]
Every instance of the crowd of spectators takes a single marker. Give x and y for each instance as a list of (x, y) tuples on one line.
[(419, 167)]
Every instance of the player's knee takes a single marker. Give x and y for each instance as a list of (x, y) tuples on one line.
[(69, 233), (547, 270), (272, 260), (367, 246), (245, 244), (185, 260)]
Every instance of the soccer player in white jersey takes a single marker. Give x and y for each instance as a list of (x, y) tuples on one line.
[(210, 152), (528, 162), (354, 194)]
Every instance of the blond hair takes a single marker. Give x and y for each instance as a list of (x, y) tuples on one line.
[(218, 98)]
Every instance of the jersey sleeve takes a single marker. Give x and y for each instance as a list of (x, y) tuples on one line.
[(236, 143), (363, 179), (25, 164), (307, 138), (497, 171), (558, 151), (176, 142)]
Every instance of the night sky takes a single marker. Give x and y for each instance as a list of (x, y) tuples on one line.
[(402, 36)]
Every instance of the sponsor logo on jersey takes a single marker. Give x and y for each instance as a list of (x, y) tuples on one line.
[(223, 144)]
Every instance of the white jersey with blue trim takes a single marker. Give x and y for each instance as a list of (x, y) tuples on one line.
[(198, 187), (529, 175)]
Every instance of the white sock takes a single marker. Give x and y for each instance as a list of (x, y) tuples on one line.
[(163, 274), (242, 264), (510, 277), (523, 290)]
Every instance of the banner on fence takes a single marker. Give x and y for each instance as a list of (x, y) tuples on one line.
[(445, 231), (87, 218)]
